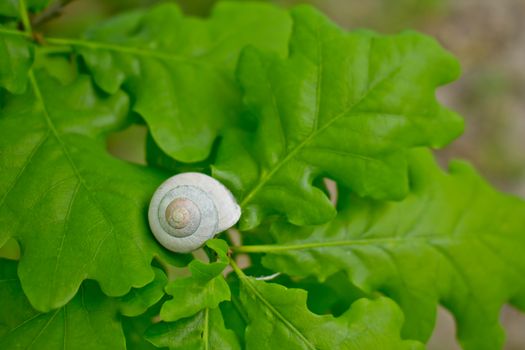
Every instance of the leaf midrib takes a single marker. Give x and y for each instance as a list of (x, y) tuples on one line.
[(206, 330), (325, 244), (51, 127), (13, 32), (431, 242), (269, 248), (78, 175), (246, 280), (312, 136)]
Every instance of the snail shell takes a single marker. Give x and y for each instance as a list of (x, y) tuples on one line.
[(190, 208)]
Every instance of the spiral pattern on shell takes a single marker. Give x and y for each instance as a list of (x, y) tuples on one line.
[(190, 208)]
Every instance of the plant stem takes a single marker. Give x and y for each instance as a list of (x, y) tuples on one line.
[(237, 269), (49, 50), (300, 246), (14, 32), (206, 331), (50, 13), (25, 17), (115, 47)]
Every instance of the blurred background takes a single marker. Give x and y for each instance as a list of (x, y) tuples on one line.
[(487, 36)]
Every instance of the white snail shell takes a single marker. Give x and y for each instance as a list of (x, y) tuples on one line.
[(190, 208)]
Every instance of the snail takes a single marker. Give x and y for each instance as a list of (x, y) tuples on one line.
[(190, 208)]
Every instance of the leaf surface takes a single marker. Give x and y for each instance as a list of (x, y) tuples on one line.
[(178, 70), (195, 309), (205, 288), (202, 331), (453, 240), (76, 211), (343, 105), (138, 300), (135, 329), (88, 321), (16, 57), (280, 319)]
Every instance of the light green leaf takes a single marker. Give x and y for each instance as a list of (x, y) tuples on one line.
[(77, 212), (88, 321), (280, 319), (205, 288), (453, 240), (138, 300), (203, 331), (179, 71), (56, 66), (16, 57), (343, 105), (194, 307), (157, 158)]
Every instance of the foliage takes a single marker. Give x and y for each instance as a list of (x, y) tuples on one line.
[(314, 121), (270, 102), (433, 255), (162, 59), (22, 327)]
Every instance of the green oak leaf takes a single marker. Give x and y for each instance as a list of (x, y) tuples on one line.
[(157, 158), (333, 295), (88, 321), (179, 71), (343, 105), (77, 212), (453, 240), (195, 307), (138, 300), (205, 288), (16, 57), (203, 331), (280, 319), (56, 66)]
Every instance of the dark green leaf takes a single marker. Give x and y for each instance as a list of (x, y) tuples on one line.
[(135, 328), (233, 313)]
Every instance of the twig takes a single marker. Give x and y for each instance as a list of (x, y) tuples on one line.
[(50, 13)]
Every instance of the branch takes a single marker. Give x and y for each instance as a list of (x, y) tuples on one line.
[(50, 13)]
